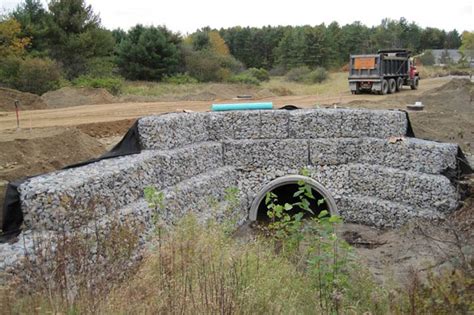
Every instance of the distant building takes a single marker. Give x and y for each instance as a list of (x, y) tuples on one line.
[(446, 56)]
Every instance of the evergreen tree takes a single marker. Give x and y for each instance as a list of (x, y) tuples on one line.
[(453, 40), (75, 35), (34, 22), (291, 49), (316, 47), (148, 53)]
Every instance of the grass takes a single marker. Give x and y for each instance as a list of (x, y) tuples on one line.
[(203, 270), (335, 85), (146, 88), (196, 269)]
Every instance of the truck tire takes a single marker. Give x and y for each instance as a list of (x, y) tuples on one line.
[(392, 86), (414, 84), (357, 90), (384, 89), (399, 83)]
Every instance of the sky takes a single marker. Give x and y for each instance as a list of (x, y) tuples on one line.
[(186, 16)]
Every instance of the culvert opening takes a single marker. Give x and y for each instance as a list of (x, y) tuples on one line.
[(285, 187), (285, 194)]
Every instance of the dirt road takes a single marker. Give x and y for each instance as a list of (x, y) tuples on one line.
[(85, 114)]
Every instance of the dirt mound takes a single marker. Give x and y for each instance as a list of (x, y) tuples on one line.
[(453, 85), (202, 96), (449, 114), (454, 96), (27, 100), (27, 153), (69, 96), (106, 129)]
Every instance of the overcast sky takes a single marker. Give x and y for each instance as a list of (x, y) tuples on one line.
[(188, 15)]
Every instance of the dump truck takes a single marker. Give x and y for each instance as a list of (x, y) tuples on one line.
[(385, 72)]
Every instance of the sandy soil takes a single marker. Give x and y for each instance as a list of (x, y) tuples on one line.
[(76, 115)]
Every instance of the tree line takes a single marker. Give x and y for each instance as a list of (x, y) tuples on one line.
[(42, 48)]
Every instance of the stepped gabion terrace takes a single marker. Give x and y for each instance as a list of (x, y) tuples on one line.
[(361, 160)]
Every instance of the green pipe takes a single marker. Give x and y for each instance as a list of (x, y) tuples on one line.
[(241, 106)]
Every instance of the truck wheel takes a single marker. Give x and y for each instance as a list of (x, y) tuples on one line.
[(392, 86), (384, 87), (414, 84), (357, 90), (399, 83)]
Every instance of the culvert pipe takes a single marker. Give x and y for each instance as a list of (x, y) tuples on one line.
[(291, 180)]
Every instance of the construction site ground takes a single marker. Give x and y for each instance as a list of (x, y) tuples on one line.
[(52, 138)]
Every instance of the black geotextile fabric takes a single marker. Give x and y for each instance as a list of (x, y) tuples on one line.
[(409, 133), (12, 214)]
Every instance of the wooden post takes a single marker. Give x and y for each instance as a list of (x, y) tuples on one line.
[(17, 110)]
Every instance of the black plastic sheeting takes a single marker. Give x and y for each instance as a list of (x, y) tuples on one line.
[(289, 107), (130, 144), (12, 214), (409, 133)]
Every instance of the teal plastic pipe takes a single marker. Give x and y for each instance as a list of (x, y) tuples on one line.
[(241, 106)]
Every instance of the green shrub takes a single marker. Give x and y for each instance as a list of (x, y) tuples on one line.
[(230, 63), (101, 67), (207, 66), (9, 67), (203, 66), (251, 76), (180, 78), (260, 74), (278, 71), (306, 75), (297, 74), (112, 84), (317, 76), (244, 78), (37, 75)]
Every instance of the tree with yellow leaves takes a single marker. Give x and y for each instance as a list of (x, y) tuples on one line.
[(210, 40), (467, 46), (11, 41), (218, 44)]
